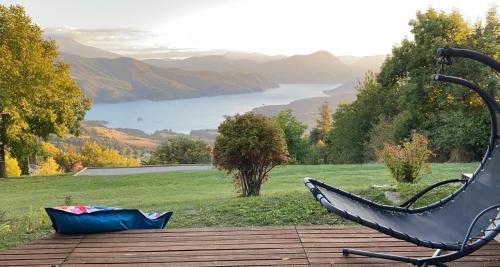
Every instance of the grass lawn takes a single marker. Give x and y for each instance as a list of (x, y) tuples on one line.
[(207, 197)]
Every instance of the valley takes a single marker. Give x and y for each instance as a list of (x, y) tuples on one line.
[(146, 100)]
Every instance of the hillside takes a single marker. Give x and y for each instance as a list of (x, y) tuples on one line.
[(126, 140), (307, 110), (207, 63), (368, 63), (319, 67), (115, 139), (127, 79)]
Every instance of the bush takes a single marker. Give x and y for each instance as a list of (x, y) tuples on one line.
[(181, 150), (49, 167), (94, 155), (248, 146), (12, 166), (70, 160), (407, 160)]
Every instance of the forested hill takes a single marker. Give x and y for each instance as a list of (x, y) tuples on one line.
[(127, 79)]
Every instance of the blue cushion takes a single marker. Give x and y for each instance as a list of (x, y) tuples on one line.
[(95, 219)]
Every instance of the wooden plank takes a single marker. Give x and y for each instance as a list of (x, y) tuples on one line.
[(229, 229), (188, 238), (166, 259), (293, 262), (21, 262), (201, 233), (145, 242), (188, 253), (201, 240), (6, 257), (36, 251), (124, 247)]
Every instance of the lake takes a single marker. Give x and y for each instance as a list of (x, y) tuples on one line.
[(184, 115)]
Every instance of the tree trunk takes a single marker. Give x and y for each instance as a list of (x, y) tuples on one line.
[(252, 187), (3, 165), (24, 164)]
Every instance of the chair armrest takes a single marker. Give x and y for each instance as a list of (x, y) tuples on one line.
[(413, 199), (478, 216)]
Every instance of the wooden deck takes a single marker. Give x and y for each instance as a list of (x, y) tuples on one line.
[(256, 246)]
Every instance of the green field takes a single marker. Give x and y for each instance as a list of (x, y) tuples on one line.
[(207, 198)]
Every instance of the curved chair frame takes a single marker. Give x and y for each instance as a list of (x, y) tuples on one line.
[(470, 244)]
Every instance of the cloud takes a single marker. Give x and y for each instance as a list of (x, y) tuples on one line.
[(130, 42), (100, 34), (124, 41), (138, 44)]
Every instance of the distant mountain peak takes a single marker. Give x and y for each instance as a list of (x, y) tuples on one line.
[(322, 53)]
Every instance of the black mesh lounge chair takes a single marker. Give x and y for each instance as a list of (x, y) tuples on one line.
[(458, 224)]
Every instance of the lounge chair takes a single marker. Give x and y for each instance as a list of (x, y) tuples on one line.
[(459, 224)]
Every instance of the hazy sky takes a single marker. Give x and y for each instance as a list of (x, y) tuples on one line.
[(349, 27)]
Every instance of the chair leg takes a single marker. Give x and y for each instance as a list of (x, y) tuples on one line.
[(436, 253), (348, 251)]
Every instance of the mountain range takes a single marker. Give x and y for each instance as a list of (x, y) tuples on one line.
[(127, 79), (318, 67), (109, 77)]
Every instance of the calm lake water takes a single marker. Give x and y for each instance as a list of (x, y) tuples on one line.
[(184, 115)]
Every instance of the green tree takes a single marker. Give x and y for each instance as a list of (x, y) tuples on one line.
[(382, 133), (404, 94), (345, 142), (298, 149), (429, 106), (181, 150), (37, 95), (248, 147)]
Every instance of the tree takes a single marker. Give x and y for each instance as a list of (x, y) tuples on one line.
[(429, 106), (37, 95), (345, 142), (323, 124), (382, 133), (298, 148), (404, 94), (248, 146), (181, 150)]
